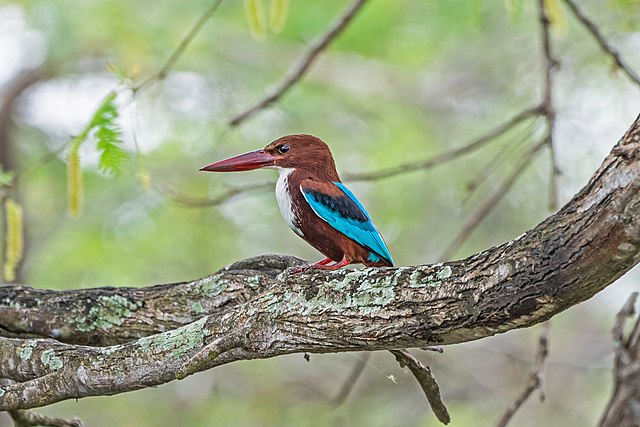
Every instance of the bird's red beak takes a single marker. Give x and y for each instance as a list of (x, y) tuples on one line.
[(244, 162)]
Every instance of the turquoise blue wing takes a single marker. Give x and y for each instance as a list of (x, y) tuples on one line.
[(334, 203)]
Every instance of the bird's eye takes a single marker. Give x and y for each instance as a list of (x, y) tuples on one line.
[(283, 148)]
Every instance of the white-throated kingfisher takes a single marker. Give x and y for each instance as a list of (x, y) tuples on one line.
[(315, 204)]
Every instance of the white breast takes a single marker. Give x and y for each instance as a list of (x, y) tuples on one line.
[(284, 199)]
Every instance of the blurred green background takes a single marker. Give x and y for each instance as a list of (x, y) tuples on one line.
[(406, 81)]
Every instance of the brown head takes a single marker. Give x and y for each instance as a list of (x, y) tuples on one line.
[(305, 153)]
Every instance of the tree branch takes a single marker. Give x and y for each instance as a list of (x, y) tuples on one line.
[(299, 68), (535, 377), (448, 155), (179, 51), (490, 203), (427, 382), (622, 409), (602, 42), (566, 259), (548, 109)]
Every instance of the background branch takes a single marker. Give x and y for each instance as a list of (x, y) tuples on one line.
[(427, 382), (548, 109), (299, 68), (602, 41), (622, 409), (162, 73), (535, 380)]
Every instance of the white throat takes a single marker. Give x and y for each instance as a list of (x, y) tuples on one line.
[(284, 199)]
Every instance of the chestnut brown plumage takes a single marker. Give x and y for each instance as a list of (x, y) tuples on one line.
[(314, 202)]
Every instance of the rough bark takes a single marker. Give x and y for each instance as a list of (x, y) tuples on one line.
[(185, 328)]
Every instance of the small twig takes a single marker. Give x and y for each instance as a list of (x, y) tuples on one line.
[(374, 175), (604, 44), (350, 382), (536, 377), (426, 380), (447, 155), (300, 67), (493, 164), (219, 199), (548, 110), (177, 53), (23, 418), (490, 203), (436, 349)]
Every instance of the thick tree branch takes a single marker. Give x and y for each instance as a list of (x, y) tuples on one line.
[(107, 316), (566, 259)]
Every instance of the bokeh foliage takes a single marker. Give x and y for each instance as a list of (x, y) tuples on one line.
[(407, 80)]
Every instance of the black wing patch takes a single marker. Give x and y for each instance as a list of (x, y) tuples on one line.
[(342, 205)]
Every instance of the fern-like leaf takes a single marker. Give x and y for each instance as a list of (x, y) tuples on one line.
[(102, 127), (105, 129)]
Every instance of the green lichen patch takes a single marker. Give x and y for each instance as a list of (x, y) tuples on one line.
[(445, 273), (211, 286), (49, 358), (178, 341), (197, 307), (353, 291), (253, 282), (26, 351), (107, 312), (421, 278)]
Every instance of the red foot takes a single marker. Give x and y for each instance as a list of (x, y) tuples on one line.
[(322, 265)]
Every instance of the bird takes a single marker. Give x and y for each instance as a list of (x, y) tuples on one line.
[(315, 203)]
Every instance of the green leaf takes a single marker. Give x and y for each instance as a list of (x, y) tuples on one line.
[(104, 129)]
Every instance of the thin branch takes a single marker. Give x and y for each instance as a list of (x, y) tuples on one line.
[(300, 67), (536, 377), (219, 199), (427, 382), (548, 110), (447, 155), (23, 418), (179, 51), (350, 382), (491, 202), (501, 157), (620, 410), (373, 175), (604, 44)]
